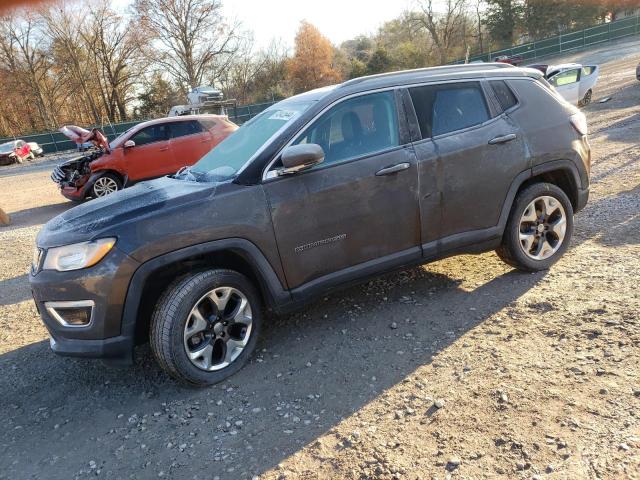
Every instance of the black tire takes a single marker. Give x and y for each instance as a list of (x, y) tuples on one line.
[(170, 317), (511, 250), (586, 100), (95, 192)]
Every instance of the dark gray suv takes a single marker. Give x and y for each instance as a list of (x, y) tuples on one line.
[(320, 190)]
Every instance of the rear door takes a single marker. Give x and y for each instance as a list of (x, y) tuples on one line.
[(469, 155), (189, 143), (567, 84), (151, 156), (357, 211)]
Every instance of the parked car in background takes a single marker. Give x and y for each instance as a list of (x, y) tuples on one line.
[(16, 151), (85, 146), (638, 72), (148, 150), (36, 149), (575, 82), (514, 60), (437, 162)]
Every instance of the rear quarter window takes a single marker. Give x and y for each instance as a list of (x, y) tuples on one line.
[(505, 96)]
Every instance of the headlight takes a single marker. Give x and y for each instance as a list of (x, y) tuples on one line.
[(78, 255)]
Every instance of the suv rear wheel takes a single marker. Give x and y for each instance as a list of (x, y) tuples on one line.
[(539, 228), (205, 326)]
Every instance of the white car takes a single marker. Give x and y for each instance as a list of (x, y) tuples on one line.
[(36, 149), (575, 82)]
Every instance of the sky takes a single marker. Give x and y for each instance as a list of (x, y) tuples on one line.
[(339, 20)]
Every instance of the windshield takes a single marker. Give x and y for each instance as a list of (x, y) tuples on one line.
[(6, 147), (225, 160)]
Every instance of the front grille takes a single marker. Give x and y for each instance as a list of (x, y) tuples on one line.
[(58, 175)]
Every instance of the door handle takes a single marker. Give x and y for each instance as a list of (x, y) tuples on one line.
[(393, 169), (503, 139), (164, 149)]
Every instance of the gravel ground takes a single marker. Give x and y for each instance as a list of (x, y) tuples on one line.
[(462, 368)]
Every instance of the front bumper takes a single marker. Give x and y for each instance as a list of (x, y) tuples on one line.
[(106, 284), (71, 188), (74, 193)]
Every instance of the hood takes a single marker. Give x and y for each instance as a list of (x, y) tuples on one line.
[(105, 217), (81, 136)]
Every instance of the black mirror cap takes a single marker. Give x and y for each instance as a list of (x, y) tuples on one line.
[(297, 157)]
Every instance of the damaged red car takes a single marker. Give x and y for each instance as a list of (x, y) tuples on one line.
[(148, 150), (15, 152)]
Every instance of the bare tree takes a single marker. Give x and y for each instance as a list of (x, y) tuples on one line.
[(64, 27), (191, 37), (444, 27), (114, 44), (26, 61)]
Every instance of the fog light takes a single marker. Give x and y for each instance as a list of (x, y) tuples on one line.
[(71, 314)]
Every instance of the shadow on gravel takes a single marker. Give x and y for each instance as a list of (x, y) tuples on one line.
[(36, 216), (14, 290), (311, 370)]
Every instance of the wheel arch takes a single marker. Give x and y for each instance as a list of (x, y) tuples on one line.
[(562, 173), (99, 173), (154, 276)]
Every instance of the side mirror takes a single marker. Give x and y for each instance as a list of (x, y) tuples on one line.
[(129, 144), (300, 157)]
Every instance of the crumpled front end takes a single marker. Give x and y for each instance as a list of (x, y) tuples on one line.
[(73, 176)]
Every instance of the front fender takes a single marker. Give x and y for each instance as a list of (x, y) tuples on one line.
[(276, 295)]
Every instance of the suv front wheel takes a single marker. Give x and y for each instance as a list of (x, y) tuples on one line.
[(205, 326), (539, 228)]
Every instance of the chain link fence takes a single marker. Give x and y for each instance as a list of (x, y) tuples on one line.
[(567, 42)]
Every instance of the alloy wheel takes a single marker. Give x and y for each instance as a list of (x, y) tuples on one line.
[(105, 186), (218, 328), (543, 227)]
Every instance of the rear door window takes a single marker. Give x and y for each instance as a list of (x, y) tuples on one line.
[(208, 124), (152, 134), (182, 129), (447, 108)]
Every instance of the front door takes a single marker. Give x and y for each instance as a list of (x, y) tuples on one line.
[(568, 85), (356, 212), (151, 154)]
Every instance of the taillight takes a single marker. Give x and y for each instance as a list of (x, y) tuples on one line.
[(579, 122)]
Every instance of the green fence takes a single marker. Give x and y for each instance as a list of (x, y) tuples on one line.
[(569, 41), (52, 142)]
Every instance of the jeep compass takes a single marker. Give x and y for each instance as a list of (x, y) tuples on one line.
[(323, 189)]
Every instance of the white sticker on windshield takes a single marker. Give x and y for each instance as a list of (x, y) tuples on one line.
[(283, 115)]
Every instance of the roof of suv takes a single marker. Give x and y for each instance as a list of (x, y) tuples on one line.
[(421, 75)]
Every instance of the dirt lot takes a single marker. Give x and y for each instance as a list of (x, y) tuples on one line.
[(461, 368)]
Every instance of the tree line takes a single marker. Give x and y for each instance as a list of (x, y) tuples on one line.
[(81, 62)]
